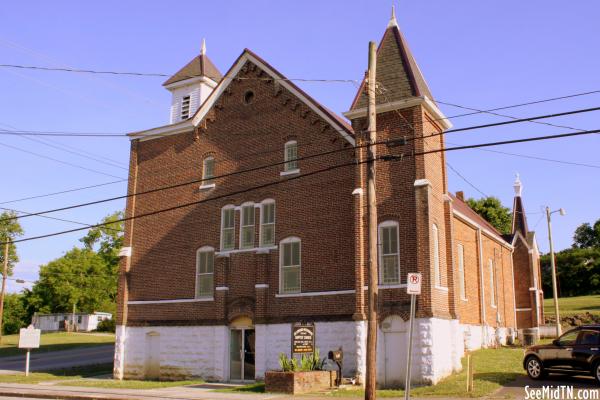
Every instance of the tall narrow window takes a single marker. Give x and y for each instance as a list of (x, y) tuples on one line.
[(267, 223), (461, 271), (208, 171), (228, 228), (436, 255), (247, 227), (492, 284), (205, 272), (289, 260), (185, 107), (291, 156), (389, 253)]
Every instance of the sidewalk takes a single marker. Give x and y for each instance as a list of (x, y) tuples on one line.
[(203, 392)]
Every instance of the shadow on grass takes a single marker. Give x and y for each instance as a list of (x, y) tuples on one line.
[(258, 387), (497, 377)]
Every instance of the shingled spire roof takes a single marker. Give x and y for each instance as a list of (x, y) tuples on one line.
[(519, 218), (200, 65), (398, 74)]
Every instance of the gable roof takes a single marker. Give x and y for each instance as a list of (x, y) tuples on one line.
[(337, 122), (397, 71), (200, 65), (464, 209)]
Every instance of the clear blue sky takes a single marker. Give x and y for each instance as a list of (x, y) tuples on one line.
[(473, 53)]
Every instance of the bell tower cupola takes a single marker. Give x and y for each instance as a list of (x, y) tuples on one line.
[(191, 85)]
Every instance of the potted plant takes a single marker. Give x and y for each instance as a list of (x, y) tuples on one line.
[(299, 377)]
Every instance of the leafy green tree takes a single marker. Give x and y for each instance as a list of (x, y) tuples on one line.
[(80, 277), (492, 210), (14, 317), (587, 236), (108, 239), (578, 272), (9, 228)]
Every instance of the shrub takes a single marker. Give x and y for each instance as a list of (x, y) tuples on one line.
[(311, 362), (108, 325)]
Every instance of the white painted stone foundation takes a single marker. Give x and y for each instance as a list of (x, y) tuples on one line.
[(203, 351)]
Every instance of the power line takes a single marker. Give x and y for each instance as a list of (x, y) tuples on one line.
[(57, 160), (327, 169), (152, 74), (63, 191), (273, 165), (54, 218), (465, 179)]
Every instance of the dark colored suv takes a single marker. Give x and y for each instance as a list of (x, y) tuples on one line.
[(577, 352)]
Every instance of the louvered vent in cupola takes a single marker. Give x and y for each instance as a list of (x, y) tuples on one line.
[(185, 107)]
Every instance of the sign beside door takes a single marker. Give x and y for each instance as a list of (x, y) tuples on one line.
[(303, 338)]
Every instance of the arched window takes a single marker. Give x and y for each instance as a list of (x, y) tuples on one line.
[(205, 272), (247, 226), (228, 228), (290, 265), (435, 236), (267, 223), (389, 253), (208, 171), (291, 156)]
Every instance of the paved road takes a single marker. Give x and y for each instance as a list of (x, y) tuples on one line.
[(43, 361), (518, 388)]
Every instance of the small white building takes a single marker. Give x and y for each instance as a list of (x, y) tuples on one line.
[(56, 322)]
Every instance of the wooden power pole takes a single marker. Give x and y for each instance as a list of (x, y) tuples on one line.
[(4, 276), (371, 384)]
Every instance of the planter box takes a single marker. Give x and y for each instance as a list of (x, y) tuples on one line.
[(299, 382)]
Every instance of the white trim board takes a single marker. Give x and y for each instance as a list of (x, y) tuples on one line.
[(134, 302)]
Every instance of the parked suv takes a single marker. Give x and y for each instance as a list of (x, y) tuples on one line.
[(577, 352)]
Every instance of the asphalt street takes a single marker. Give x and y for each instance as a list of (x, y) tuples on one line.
[(43, 361), (526, 388)]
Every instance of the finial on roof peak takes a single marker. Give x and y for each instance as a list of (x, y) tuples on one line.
[(203, 48), (393, 22), (518, 185)]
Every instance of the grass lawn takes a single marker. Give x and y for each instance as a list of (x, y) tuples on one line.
[(492, 369), (129, 384), (574, 305), (56, 341), (58, 375)]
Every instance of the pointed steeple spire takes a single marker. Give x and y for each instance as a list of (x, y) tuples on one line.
[(519, 222), (397, 73), (203, 47), (393, 22)]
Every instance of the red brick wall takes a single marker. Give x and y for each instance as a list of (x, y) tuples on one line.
[(317, 209)]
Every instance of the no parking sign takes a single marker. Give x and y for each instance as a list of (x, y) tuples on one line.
[(413, 283)]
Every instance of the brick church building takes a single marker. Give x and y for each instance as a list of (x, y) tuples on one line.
[(261, 233)]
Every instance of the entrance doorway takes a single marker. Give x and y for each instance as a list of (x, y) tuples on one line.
[(242, 339), (394, 346)]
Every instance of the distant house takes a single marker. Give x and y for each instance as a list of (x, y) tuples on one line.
[(56, 322)]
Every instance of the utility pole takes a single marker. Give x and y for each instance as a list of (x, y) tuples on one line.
[(553, 267), (371, 384), (4, 276)]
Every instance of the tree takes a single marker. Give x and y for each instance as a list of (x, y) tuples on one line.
[(578, 272), (587, 236), (108, 238), (491, 209), (14, 317), (80, 277), (9, 228)]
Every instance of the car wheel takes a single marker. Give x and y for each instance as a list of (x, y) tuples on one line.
[(534, 367), (596, 371)]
